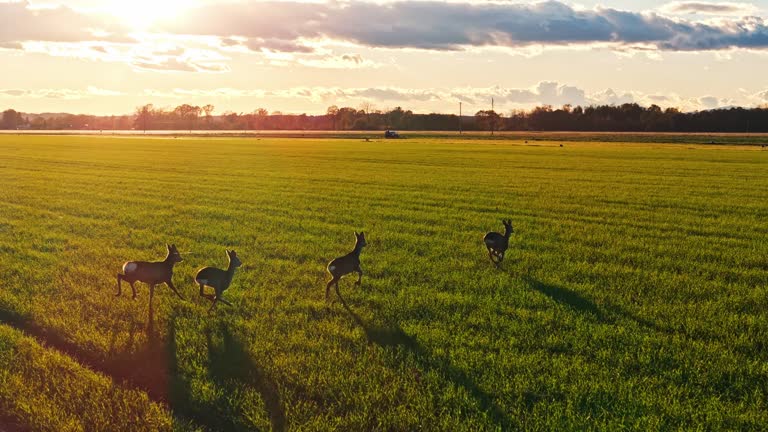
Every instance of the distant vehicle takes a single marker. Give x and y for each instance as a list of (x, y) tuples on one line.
[(391, 134)]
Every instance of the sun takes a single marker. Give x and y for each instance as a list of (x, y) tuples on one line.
[(141, 14)]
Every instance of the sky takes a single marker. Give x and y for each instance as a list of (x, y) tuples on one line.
[(302, 56)]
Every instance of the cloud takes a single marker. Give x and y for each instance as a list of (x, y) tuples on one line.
[(436, 25), (762, 96), (693, 7), (709, 102), (20, 22), (543, 93), (344, 61), (178, 64), (419, 100), (67, 94), (11, 45), (277, 45)]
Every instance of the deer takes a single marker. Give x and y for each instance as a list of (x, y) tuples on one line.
[(497, 243), (346, 264), (151, 273), (218, 279)]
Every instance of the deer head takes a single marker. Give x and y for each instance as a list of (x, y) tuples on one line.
[(360, 239), (233, 259), (173, 254)]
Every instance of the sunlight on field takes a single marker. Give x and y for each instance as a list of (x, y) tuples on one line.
[(633, 295)]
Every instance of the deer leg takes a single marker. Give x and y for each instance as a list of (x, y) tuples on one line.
[(133, 288), (491, 254), (119, 287), (151, 294), (170, 284), (328, 287), (337, 290), (359, 276), (226, 302), (216, 299), (202, 293)]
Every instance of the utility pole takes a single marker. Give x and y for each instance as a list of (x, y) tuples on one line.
[(460, 132)]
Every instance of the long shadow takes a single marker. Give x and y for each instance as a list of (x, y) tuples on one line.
[(143, 369), (233, 370), (581, 304), (394, 337), (383, 336), (567, 297)]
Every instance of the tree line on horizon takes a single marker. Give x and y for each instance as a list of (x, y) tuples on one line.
[(629, 117)]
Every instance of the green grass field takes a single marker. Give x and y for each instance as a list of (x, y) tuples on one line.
[(634, 294)]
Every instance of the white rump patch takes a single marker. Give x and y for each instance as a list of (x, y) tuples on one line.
[(331, 268), (129, 267), (202, 281)]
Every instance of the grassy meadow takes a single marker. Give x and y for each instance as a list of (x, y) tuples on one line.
[(634, 295)]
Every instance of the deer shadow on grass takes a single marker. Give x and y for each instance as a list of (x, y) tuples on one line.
[(232, 369), (125, 366), (608, 314), (567, 297), (394, 337)]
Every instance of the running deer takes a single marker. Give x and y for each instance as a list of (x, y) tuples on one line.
[(151, 273), (497, 244), (346, 264), (218, 279)]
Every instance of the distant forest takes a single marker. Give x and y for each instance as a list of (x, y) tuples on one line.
[(618, 118)]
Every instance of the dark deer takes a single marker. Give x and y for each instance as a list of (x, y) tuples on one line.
[(346, 264), (218, 279), (151, 273), (497, 243)]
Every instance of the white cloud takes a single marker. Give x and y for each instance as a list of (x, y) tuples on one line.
[(544, 93), (67, 94)]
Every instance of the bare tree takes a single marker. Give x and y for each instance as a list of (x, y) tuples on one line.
[(333, 113), (208, 110), (144, 116)]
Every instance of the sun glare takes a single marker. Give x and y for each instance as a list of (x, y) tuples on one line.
[(141, 14)]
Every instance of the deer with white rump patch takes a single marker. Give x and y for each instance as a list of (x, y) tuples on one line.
[(218, 279), (497, 243), (151, 273), (346, 264)]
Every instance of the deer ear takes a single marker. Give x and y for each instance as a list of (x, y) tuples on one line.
[(167, 246), (356, 234)]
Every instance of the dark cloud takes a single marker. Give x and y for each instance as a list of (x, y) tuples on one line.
[(284, 26), (451, 26), (353, 58)]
